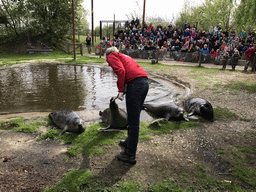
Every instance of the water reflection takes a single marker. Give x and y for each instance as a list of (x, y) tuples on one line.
[(50, 87)]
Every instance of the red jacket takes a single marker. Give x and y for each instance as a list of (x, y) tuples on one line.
[(126, 69), (249, 53)]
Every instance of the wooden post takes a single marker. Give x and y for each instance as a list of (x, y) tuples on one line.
[(200, 58)]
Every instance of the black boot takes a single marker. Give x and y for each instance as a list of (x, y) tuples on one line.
[(124, 157)]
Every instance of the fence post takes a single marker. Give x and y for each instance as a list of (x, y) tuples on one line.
[(253, 63), (200, 58), (81, 49)]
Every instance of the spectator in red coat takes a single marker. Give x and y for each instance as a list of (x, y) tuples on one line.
[(132, 81), (249, 55)]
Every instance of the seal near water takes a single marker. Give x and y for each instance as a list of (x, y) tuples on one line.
[(198, 106), (168, 111), (67, 120), (113, 117)]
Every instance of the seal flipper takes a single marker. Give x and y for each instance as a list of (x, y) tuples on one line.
[(109, 128), (63, 131), (191, 114)]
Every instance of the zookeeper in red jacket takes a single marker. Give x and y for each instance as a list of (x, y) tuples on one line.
[(132, 81), (249, 55)]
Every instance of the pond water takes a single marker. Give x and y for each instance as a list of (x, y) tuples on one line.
[(51, 87)]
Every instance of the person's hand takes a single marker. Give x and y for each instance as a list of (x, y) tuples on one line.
[(120, 96)]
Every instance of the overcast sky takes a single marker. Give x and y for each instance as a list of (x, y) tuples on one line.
[(106, 9)]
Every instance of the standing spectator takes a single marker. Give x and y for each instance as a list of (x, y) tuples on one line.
[(234, 60), (249, 55), (88, 43), (216, 56), (224, 60), (205, 53), (135, 79)]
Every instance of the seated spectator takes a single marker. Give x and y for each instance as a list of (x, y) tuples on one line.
[(242, 34), (225, 32), (187, 44), (193, 35), (211, 31), (232, 34), (177, 45), (121, 47), (187, 33)]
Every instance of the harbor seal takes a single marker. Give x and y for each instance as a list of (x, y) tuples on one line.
[(198, 106), (168, 111), (67, 120), (113, 117)]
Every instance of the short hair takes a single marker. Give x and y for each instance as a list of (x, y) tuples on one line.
[(111, 50)]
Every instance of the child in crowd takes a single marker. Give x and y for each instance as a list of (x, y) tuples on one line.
[(212, 54), (235, 59), (216, 56), (224, 60)]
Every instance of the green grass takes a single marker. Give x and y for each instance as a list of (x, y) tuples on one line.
[(246, 175), (20, 125), (223, 113), (240, 86), (12, 59), (30, 127), (83, 60), (93, 141), (73, 180), (169, 127), (165, 186)]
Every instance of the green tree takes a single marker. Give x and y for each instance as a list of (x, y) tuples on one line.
[(49, 21), (208, 14), (245, 15)]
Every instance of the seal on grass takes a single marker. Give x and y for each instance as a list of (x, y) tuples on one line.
[(68, 121), (113, 117), (168, 111), (198, 106)]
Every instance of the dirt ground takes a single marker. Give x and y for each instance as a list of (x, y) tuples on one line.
[(27, 164)]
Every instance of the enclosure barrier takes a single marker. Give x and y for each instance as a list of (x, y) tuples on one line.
[(70, 48)]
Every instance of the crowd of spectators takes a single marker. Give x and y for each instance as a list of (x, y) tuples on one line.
[(216, 44)]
